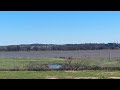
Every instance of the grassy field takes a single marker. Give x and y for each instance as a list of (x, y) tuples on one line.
[(7, 64), (22, 63), (84, 74)]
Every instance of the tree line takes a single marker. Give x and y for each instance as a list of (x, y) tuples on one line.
[(44, 47)]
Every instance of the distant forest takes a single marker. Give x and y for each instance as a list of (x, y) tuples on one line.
[(44, 47)]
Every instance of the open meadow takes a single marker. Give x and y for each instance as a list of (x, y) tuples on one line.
[(81, 54), (89, 65)]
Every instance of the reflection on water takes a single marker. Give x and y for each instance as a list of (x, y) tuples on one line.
[(54, 66)]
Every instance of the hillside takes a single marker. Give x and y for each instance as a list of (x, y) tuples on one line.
[(43, 47)]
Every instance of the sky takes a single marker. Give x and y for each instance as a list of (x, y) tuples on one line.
[(59, 27)]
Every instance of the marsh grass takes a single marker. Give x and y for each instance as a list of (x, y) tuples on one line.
[(23, 64)]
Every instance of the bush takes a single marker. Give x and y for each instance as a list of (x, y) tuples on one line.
[(37, 67)]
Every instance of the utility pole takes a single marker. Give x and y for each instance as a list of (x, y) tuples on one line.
[(109, 55)]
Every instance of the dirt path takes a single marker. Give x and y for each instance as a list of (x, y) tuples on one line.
[(52, 77), (114, 77)]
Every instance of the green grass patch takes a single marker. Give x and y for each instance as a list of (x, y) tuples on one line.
[(98, 74), (23, 63)]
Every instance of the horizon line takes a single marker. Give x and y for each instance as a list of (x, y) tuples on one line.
[(59, 44)]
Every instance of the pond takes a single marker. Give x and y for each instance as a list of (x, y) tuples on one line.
[(55, 66)]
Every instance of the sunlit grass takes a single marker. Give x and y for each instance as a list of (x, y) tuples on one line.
[(97, 74), (21, 63)]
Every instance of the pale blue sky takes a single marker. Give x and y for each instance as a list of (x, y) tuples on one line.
[(59, 27)]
